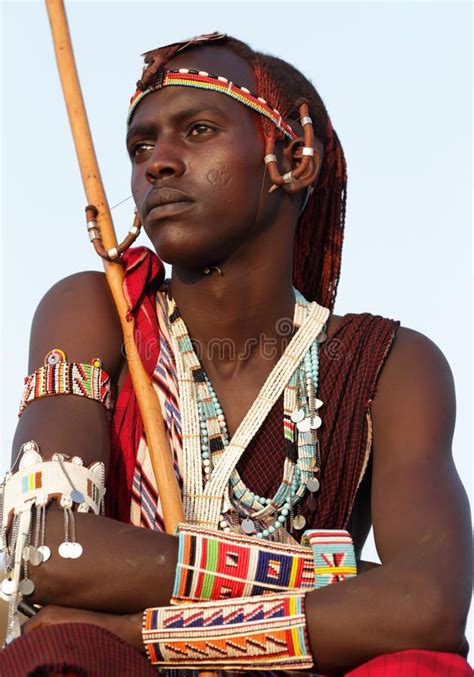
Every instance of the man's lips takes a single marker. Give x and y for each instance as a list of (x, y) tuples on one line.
[(168, 200)]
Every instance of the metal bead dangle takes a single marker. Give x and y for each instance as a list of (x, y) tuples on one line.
[(114, 253), (307, 157)]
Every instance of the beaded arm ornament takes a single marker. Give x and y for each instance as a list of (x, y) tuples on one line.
[(59, 377), (263, 630), (216, 565), (333, 555), (34, 486), (244, 634)]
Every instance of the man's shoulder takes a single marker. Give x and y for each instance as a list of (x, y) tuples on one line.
[(408, 354), (411, 351), (77, 315), (417, 373)]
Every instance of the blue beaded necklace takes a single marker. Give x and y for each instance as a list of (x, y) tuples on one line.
[(253, 514)]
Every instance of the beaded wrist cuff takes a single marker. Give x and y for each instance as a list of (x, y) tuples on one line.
[(218, 565), (247, 634), (333, 553), (24, 497), (58, 377)]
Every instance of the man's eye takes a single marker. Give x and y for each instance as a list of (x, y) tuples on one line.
[(140, 148), (201, 128)]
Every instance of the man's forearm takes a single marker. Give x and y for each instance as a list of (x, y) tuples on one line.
[(390, 608), (123, 569)]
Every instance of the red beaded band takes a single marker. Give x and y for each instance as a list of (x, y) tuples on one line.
[(217, 565), (58, 377), (185, 77)]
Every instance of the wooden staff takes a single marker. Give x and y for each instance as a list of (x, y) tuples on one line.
[(147, 399)]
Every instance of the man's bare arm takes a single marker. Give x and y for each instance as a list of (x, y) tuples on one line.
[(121, 563), (78, 316), (419, 597)]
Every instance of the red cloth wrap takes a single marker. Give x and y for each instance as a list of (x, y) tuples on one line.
[(143, 275), (90, 651)]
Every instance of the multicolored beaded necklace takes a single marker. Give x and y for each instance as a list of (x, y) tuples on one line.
[(242, 509)]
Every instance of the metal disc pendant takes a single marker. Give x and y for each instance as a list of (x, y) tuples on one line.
[(8, 586), (77, 496), (63, 550), (34, 556), (26, 587), (297, 415), (45, 552), (316, 422), (312, 484), (248, 526), (304, 425), (321, 337), (298, 522), (75, 550)]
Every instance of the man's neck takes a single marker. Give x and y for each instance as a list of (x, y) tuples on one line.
[(241, 316)]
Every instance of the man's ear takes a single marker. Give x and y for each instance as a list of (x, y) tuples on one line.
[(292, 157)]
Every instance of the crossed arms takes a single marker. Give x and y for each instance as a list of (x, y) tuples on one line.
[(418, 598)]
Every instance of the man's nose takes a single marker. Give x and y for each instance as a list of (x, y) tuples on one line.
[(165, 161)]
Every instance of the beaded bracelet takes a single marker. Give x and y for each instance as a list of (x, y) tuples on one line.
[(33, 487), (266, 633), (59, 377), (217, 565), (333, 554)]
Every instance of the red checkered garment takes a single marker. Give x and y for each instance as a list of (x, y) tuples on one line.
[(87, 650), (72, 649)]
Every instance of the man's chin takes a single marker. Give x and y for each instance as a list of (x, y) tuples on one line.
[(184, 255)]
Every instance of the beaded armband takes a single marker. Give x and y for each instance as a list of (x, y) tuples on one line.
[(333, 554), (29, 491), (59, 377), (246, 634), (217, 565)]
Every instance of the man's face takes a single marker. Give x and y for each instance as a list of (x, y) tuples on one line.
[(205, 150)]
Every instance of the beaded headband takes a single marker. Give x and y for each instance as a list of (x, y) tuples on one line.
[(185, 77)]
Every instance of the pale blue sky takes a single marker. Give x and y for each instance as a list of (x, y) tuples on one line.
[(397, 81)]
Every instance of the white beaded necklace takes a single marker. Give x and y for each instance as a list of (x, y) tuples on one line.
[(207, 495)]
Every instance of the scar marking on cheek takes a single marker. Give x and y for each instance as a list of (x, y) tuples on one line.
[(219, 176)]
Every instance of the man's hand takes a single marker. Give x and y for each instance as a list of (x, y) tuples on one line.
[(126, 627)]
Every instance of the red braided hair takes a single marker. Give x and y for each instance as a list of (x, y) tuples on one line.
[(320, 228)]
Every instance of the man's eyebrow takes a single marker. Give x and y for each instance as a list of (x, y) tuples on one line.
[(179, 116), (198, 110), (139, 130)]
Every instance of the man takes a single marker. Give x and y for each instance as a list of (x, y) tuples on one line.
[(203, 193)]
